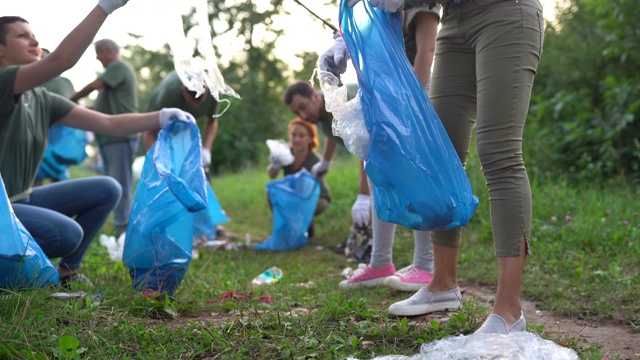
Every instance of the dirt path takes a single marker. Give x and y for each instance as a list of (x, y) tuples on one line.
[(616, 340)]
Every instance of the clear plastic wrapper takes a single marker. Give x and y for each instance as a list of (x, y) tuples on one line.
[(515, 346), (279, 150), (269, 276), (348, 120)]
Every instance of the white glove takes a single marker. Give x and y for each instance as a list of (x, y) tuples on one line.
[(168, 114), (361, 210), (206, 157), (388, 5), (384, 5), (320, 168), (111, 5), (335, 58)]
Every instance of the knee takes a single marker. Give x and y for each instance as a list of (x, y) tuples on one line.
[(70, 236), (110, 190), (500, 160)]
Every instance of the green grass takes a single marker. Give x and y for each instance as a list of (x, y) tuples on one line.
[(586, 266)]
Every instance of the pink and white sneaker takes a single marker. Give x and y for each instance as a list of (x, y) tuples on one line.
[(410, 278), (366, 276)]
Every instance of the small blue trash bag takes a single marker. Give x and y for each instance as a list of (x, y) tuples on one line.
[(22, 262), (418, 179), (172, 187), (293, 199), (205, 221), (66, 147)]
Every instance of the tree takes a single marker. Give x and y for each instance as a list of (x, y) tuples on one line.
[(255, 73), (586, 107), (258, 76)]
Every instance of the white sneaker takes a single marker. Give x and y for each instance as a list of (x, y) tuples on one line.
[(495, 324), (424, 302)]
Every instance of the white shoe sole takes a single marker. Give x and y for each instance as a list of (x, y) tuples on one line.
[(415, 310), (345, 284), (395, 283)]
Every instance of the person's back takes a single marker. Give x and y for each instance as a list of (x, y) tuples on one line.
[(169, 93), (60, 85), (117, 94)]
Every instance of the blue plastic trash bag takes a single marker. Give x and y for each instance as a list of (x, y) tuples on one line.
[(158, 244), (418, 179), (293, 200), (22, 262), (66, 147), (205, 221)]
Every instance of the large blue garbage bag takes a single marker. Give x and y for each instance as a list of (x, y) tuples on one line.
[(293, 200), (22, 262), (418, 179), (205, 221), (171, 189), (66, 147)]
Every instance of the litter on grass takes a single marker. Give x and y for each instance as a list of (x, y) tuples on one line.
[(519, 345), (269, 276)]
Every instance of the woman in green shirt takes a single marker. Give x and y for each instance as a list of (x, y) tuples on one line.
[(63, 217), (303, 139)]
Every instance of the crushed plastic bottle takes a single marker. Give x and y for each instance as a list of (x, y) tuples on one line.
[(269, 276)]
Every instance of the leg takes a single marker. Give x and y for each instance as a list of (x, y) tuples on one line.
[(381, 265), (383, 236), (49, 211), (420, 31), (453, 95), (118, 159), (507, 72)]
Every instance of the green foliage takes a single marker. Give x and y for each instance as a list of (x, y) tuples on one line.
[(585, 113), (258, 76), (151, 68), (255, 73)]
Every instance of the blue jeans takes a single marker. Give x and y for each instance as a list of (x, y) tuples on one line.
[(65, 216), (118, 159)]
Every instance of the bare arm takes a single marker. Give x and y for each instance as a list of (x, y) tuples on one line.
[(363, 187), (149, 137), (96, 84), (426, 33), (65, 56), (210, 132), (329, 149), (122, 124), (272, 171)]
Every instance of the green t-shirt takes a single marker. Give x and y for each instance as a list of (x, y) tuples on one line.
[(168, 94), (60, 85), (119, 96), (325, 122), (25, 120), (312, 159)]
